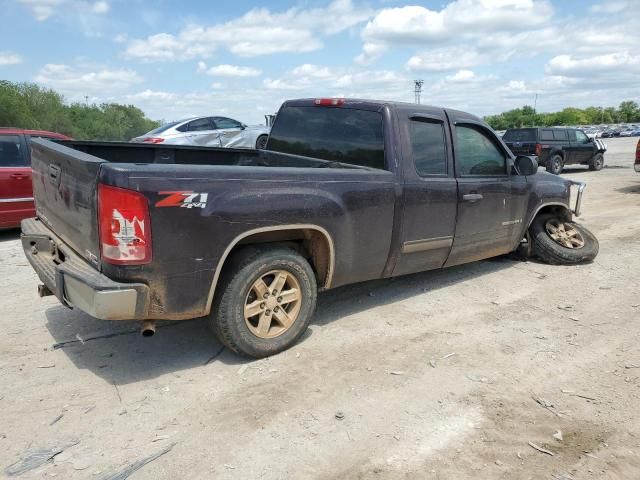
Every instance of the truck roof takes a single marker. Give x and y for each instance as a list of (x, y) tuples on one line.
[(370, 104)]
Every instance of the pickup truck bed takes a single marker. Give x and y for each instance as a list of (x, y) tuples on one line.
[(242, 196), (346, 191)]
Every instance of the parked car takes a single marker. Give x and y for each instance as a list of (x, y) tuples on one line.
[(16, 196), (636, 165), (557, 147), (346, 191), (208, 132)]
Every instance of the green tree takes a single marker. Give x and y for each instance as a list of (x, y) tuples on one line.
[(27, 105)]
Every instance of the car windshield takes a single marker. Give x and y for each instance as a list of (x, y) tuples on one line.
[(164, 127), (520, 135)]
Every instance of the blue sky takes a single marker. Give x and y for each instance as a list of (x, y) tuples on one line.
[(243, 58)]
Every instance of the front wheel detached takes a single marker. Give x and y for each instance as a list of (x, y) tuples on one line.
[(560, 242)]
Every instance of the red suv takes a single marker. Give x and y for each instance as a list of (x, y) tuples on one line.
[(16, 196)]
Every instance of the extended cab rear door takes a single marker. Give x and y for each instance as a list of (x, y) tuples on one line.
[(429, 190), (16, 197), (491, 201)]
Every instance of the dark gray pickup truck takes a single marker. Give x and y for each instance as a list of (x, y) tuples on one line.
[(346, 191)]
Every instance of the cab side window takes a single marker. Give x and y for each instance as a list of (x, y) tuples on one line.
[(581, 137), (198, 125), (223, 122), (428, 147), (477, 154), (11, 154)]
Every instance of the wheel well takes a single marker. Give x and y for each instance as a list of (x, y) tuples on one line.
[(312, 244), (562, 211)]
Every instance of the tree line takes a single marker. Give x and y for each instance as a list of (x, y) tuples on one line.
[(627, 112), (27, 105)]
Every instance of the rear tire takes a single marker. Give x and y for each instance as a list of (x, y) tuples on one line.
[(573, 243), (265, 301), (555, 164), (261, 142), (597, 162)]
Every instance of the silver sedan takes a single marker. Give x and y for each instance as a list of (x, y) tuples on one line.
[(208, 132)]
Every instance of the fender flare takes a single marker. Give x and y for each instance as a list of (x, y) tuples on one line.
[(248, 233), (548, 204)]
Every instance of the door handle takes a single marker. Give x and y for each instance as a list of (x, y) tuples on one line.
[(19, 176), (472, 197)]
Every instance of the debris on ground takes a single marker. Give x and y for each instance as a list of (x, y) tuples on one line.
[(558, 435), (339, 415), (540, 449), (34, 458), (137, 465), (396, 372)]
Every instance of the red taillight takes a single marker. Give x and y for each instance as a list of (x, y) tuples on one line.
[(638, 152), (329, 102), (538, 149), (124, 226), (153, 140)]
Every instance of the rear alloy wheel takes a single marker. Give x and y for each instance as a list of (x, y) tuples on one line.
[(555, 165), (597, 162), (265, 301), (559, 242), (261, 142)]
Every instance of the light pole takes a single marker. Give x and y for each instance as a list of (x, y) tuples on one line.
[(418, 89)]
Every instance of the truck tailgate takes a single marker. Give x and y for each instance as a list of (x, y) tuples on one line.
[(65, 189)]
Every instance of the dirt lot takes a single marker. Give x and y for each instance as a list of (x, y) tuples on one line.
[(434, 375)]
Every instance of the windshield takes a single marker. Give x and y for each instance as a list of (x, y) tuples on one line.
[(164, 127), (520, 135)]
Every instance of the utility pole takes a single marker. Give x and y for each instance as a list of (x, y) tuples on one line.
[(418, 89), (535, 103), (86, 100)]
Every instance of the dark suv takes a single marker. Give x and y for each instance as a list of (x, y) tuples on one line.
[(557, 147)]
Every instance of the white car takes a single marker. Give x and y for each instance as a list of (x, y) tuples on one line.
[(208, 132)]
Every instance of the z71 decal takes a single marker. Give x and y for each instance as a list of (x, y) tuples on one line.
[(183, 199)]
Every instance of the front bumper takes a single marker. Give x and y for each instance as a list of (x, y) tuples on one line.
[(75, 282), (581, 186)]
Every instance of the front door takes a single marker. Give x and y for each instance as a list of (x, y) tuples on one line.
[(430, 192), (581, 146), (491, 201), (229, 131), (16, 195)]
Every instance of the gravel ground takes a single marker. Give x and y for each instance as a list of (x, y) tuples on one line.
[(446, 375)]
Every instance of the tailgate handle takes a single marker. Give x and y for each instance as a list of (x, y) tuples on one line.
[(54, 172), (472, 197)]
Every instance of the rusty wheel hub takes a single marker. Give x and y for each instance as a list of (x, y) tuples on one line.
[(272, 304), (564, 234)]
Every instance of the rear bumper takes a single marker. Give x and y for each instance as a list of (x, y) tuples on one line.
[(636, 167), (75, 282)]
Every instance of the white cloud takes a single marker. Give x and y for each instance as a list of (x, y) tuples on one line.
[(462, 76), (202, 67), (615, 63), (459, 20), (258, 32), (226, 70), (43, 9), (76, 82), (444, 59), (101, 7), (10, 58)]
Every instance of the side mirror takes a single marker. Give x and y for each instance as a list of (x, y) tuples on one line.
[(526, 165), (242, 126)]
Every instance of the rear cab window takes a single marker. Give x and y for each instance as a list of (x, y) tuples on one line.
[(428, 146), (520, 135), (339, 134), (12, 151)]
